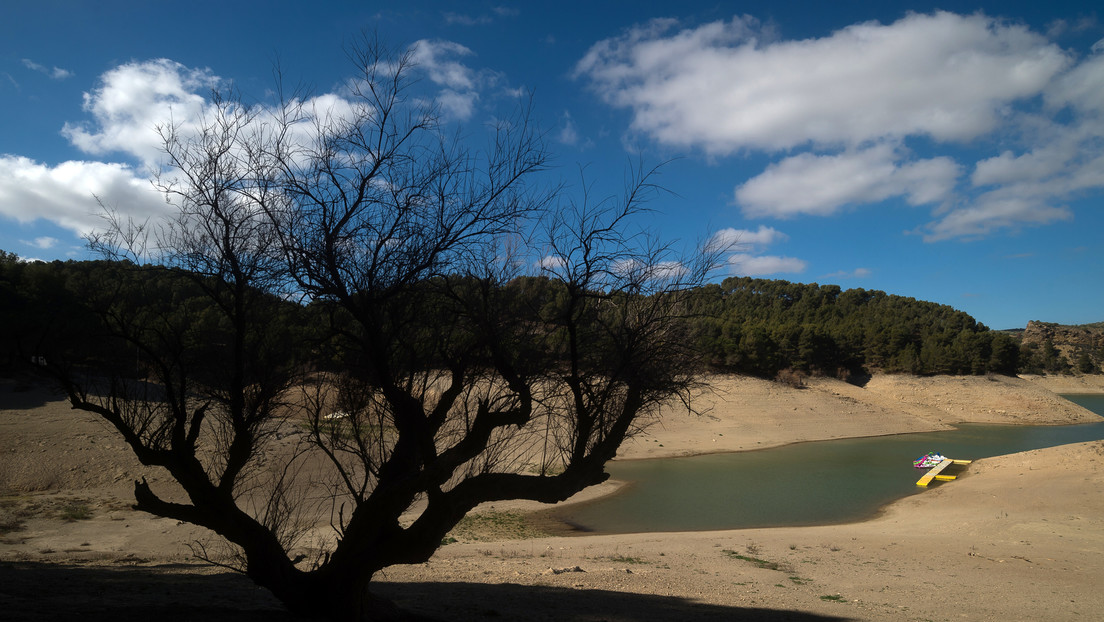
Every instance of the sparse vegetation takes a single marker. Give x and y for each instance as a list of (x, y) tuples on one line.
[(15, 510), (760, 563), (11, 518), (75, 511), (626, 559), (485, 526)]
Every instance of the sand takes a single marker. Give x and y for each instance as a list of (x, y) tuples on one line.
[(1018, 537)]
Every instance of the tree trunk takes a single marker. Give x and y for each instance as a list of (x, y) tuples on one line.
[(324, 595), (356, 603)]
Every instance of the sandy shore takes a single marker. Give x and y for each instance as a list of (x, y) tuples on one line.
[(1018, 537)]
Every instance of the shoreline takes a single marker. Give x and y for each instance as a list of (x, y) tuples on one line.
[(1019, 536), (955, 426), (550, 520), (764, 410), (747, 413)]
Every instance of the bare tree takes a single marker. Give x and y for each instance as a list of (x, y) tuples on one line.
[(493, 342)]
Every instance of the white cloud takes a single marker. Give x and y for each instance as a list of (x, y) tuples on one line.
[(1004, 209), (66, 194), (643, 272), (857, 273), (666, 270), (1029, 189), (457, 105), (44, 242), (551, 262), (467, 20), (568, 134), (748, 261), (720, 87), (133, 100), (128, 105), (840, 110), (463, 19), (746, 239), (821, 184), (460, 84), (1009, 168), (1082, 87), (57, 73), (1060, 161), (1060, 27), (136, 100), (762, 265), (436, 59)]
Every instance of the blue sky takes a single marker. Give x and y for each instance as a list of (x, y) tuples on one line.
[(950, 152)]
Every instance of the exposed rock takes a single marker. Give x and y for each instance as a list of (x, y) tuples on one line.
[(1090, 336), (1071, 342)]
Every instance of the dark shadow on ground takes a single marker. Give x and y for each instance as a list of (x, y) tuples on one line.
[(24, 393), (163, 593), (41, 592), (472, 602)]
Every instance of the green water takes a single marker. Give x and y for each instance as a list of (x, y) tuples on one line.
[(804, 484)]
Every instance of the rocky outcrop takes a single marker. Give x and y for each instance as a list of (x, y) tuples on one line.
[(1086, 336), (1064, 348)]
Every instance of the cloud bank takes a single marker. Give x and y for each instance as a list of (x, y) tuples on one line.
[(133, 100), (842, 110), (820, 184), (68, 193)]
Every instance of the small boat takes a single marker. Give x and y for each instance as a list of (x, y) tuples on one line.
[(928, 460), (937, 465)]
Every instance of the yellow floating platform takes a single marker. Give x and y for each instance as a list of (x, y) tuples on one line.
[(936, 472)]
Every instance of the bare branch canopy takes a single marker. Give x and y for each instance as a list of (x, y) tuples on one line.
[(362, 327)]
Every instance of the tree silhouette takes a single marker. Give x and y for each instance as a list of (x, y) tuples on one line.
[(460, 333)]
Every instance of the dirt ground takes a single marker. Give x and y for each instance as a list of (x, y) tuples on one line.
[(1018, 537)]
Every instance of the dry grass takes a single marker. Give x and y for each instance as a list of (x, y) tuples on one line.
[(17, 509), (488, 526)]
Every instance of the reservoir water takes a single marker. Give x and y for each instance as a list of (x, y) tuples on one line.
[(804, 484)]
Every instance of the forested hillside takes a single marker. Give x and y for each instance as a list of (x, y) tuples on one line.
[(751, 326), (761, 327), (54, 311)]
